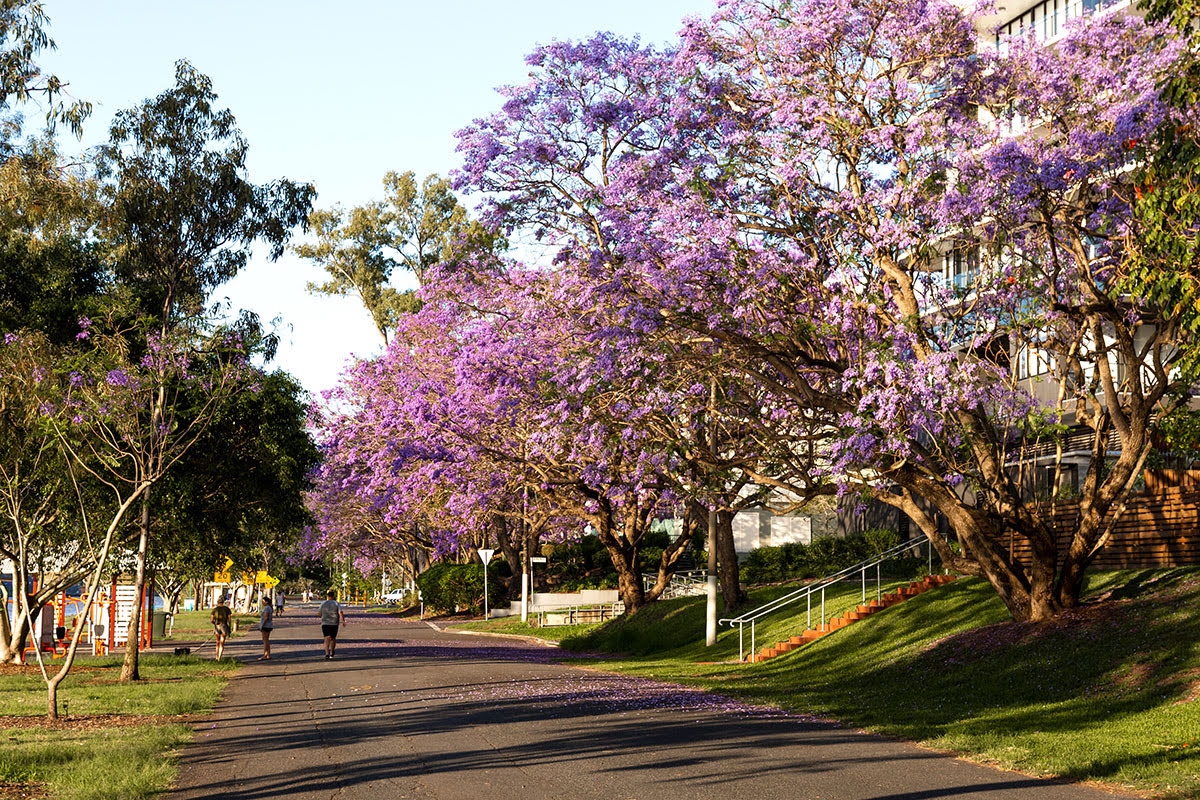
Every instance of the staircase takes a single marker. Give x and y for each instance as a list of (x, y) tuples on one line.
[(850, 617)]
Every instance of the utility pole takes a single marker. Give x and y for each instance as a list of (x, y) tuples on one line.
[(710, 587)]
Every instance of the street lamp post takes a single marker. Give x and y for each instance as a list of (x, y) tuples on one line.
[(485, 555)]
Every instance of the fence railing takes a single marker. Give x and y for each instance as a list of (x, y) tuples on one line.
[(816, 588), (682, 584)]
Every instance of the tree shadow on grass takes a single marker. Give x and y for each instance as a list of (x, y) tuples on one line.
[(1099, 671)]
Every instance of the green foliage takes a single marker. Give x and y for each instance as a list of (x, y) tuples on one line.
[(447, 587), (823, 556), (183, 213), (23, 36), (1162, 260), (649, 558), (879, 540), (585, 564), (1179, 432), (221, 501), (48, 288), (417, 227)]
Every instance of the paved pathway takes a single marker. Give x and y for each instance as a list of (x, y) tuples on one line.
[(409, 712)]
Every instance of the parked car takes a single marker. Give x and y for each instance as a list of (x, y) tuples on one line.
[(396, 596)]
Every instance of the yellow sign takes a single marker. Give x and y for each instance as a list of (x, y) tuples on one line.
[(270, 582), (227, 565), (261, 576), (221, 577)]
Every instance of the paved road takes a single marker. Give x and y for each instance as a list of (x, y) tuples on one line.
[(409, 712)]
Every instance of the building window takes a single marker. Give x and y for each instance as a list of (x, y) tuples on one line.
[(1047, 19), (962, 266)]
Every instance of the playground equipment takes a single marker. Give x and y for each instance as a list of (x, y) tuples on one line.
[(107, 622)]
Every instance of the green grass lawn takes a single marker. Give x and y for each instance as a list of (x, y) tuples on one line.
[(192, 625), (1109, 692), (672, 624), (514, 627), (678, 625), (102, 761)]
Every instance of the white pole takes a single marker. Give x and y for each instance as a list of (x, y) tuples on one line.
[(485, 597), (524, 597), (710, 587), (710, 584)]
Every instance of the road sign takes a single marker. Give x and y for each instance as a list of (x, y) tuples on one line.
[(537, 559), (485, 554)]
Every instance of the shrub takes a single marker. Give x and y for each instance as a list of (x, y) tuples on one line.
[(649, 558), (765, 564), (445, 587), (879, 540), (823, 556)]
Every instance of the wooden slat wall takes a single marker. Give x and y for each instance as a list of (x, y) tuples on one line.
[(1159, 530)]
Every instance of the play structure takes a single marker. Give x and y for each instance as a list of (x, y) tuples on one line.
[(107, 623)]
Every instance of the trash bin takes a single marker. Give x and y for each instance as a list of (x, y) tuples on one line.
[(158, 625)]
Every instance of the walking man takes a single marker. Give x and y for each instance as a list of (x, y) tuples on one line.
[(221, 617), (331, 617)]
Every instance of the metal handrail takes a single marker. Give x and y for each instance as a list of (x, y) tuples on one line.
[(807, 591), (695, 577)]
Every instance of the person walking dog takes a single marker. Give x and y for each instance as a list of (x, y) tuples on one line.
[(331, 617)]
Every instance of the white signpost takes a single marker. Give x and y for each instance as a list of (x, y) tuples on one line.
[(485, 555)]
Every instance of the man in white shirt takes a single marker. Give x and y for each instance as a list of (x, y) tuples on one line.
[(331, 618)]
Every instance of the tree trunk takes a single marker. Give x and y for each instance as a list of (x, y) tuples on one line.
[(511, 553), (623, 553), (732, 595), (7, 654), (629, 580), (666, 564), (52, 698), (1028, 594), (16, 642), (129, 669)]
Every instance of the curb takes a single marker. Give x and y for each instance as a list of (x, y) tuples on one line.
[(517, 636)]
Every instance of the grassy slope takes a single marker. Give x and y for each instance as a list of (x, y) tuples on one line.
[(98, 763), (678, 625), (1107, 693)]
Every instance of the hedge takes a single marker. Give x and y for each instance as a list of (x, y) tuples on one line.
[(457, 587), (823, 556)]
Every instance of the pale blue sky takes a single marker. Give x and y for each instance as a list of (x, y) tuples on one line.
[(336, 94)]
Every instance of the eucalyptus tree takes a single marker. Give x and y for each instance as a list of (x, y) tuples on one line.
[(182, 218), (417, 227), (24, 36)]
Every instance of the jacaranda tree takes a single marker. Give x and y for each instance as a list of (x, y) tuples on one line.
[(788, 189)]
